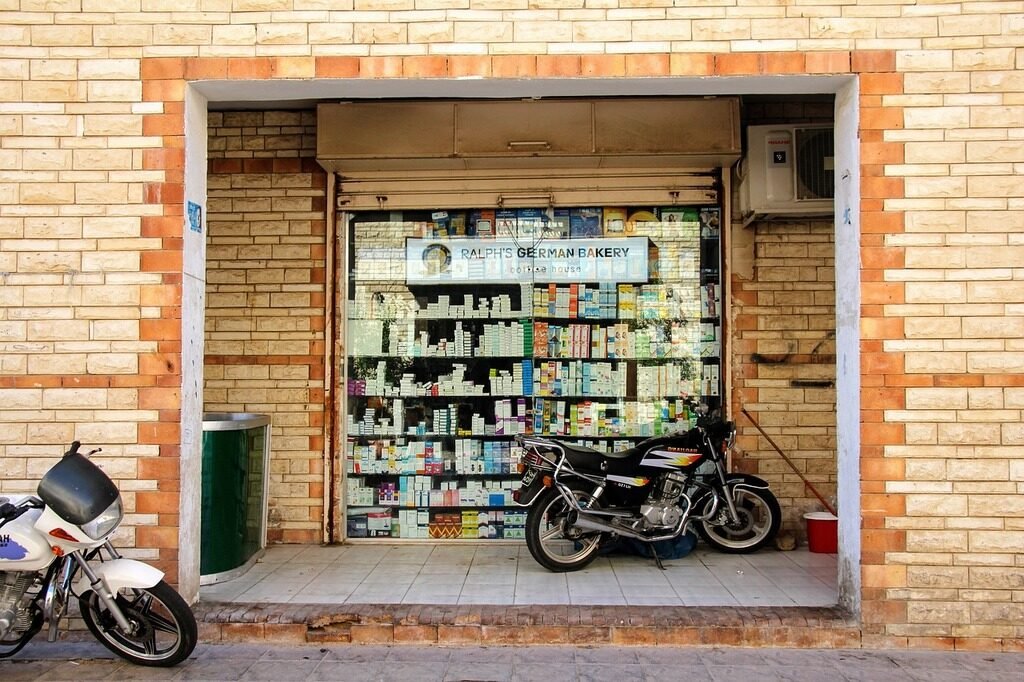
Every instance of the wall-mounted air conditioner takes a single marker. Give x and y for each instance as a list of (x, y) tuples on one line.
[(788, 171)]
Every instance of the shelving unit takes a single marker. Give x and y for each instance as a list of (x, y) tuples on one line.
[(447, 360)]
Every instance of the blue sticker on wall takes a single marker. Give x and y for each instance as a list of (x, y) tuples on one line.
[(9, 549), (195, 217)]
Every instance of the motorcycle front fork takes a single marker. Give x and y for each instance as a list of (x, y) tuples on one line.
[(734, 516), (109, 600)]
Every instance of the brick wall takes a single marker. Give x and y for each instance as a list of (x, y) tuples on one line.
[(783, 337), (91, 119), (783, 354), (265, 299)]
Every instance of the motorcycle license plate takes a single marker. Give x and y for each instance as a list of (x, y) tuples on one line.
[(531, 485)]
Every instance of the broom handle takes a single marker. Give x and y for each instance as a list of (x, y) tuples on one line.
[(829, 507)]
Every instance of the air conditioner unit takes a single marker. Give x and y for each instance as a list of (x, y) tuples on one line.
[(788, 172)]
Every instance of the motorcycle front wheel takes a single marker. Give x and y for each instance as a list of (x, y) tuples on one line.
[(164, 627), (759, 519), (552, 545)]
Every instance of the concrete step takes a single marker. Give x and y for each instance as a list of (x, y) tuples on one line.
[(818, 627)]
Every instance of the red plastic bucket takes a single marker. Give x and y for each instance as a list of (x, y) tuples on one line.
[(822, 532)]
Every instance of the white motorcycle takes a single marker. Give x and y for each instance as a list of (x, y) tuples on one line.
[(55, 546)]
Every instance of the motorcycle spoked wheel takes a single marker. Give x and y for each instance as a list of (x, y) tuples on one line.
[(165, 633), (552, 545), (760, 517)]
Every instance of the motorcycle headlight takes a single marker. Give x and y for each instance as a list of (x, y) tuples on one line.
[(106, 522)]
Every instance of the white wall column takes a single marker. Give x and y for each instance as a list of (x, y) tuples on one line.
[(847, 266), (193, 315)]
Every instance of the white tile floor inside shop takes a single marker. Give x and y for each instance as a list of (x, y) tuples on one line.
[(507, 575)]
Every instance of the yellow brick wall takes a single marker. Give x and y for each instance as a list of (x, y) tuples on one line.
[(784, 360), (782, 341), (91, 173), (265, 299)]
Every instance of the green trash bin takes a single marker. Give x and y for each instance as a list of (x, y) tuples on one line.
[(236, 449)]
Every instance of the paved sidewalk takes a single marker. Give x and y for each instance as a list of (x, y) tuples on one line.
[(359, 663)]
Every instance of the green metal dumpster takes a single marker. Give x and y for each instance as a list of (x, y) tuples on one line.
[(236, 452)]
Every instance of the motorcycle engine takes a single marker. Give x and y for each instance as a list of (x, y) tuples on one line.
[(662, 509), (12, 589)]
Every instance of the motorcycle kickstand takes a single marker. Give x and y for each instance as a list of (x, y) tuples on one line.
[(657, 559)]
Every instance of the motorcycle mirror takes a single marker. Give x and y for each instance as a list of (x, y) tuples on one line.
[(73, 450)]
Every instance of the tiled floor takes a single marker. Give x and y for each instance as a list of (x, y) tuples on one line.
[(507, 575)]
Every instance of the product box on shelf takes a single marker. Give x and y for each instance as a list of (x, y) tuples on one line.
[(356, 525), (531, 222), (378, 522), (585, 222), (506, 222), (481, 223), (469, 525), (559, 228), (679, 220), (710, 300), (458, 224), (614, 221), (710, 380), (441, 224)]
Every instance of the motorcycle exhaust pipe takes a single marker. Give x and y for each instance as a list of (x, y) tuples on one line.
[(589, 522)]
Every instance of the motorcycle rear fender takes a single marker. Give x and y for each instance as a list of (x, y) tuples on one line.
[(120, 574)]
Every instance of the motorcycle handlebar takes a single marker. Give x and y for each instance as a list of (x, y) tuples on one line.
[(9, 511)]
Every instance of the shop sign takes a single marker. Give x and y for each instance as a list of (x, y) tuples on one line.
[(433, 261)]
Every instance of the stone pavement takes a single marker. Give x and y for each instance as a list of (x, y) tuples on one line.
[(408, 663)]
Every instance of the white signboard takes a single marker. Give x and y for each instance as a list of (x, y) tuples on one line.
[(453, 261)]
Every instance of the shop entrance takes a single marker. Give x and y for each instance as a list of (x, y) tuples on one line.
[(652, 207)]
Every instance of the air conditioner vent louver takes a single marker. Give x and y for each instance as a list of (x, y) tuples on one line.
[(814, 170), (788, 172)]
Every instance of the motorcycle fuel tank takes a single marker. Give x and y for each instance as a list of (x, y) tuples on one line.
[(22, 548), (671, 457)]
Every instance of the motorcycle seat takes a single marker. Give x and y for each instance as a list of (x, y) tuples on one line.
[(584, 451), (588, 459)]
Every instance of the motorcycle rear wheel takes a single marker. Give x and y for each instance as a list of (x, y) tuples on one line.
[(166, 627), (760, 518), (548, 540)]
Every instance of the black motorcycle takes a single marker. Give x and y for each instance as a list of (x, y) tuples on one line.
[(655, 491)]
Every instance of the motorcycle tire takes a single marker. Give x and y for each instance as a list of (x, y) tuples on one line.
[(760, 518), (545, 535), (167, 631)]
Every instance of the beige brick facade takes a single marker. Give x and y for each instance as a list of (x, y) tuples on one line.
[(265, 300), (784, 360), (91, 218)]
